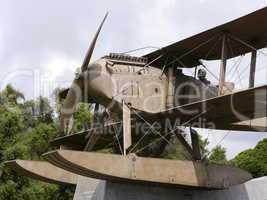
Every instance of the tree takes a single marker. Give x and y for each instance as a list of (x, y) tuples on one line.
[(253, 160), (218, 155), (203, 143), (25, 131), (10, 125), (81, 116), (43, 110), (11, 95), (176, 151)]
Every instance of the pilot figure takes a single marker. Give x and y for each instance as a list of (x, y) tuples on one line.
[(201, 74)]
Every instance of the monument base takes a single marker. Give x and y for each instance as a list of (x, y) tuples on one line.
[(87, 189)]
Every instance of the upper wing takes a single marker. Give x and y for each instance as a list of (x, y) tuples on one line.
[(221, 111), (250, 29)]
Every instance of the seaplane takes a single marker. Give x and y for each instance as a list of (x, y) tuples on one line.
[(134, 97)]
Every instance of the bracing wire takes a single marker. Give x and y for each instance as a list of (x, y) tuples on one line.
[(141, 48), (220, 142), (117, 138), (172, 131), (235, 67)]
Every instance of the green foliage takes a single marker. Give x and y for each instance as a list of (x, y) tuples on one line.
[(43, 191), (43, 110), (10, 96), (8, 190), (218, 155), (37, 139), (203, 143), (25, 131), (81, 116), (175, 151), (10, 125), (17, 150), (254, 160)]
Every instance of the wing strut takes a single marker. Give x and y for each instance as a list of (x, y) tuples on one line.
[(252, 68), (223, 64), (127, 137)]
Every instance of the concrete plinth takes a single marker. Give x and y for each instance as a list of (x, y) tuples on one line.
[(102, 190)]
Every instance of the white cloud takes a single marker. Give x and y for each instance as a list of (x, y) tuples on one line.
[(2, 44), (58, 64)]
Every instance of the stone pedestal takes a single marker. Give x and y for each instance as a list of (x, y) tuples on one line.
[(88, 189)]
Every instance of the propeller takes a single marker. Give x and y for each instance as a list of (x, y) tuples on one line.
[(92, 46), (74, 93)]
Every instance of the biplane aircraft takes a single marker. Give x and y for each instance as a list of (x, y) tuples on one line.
[(152, 90)]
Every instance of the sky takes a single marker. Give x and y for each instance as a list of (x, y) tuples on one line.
[(43, 42)]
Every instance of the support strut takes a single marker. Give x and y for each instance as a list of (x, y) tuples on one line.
[(252, 68), (223, 64), (127, 137)]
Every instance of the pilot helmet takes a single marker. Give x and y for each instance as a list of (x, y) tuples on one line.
[(201, 74), (78, 73)]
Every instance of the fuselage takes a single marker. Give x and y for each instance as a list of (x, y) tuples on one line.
[(117, 78)]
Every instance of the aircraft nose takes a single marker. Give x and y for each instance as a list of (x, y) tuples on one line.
[(99, 82), (94, 71)]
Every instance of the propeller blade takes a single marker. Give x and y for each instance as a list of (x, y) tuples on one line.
[(69, 105), (92, 46)]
